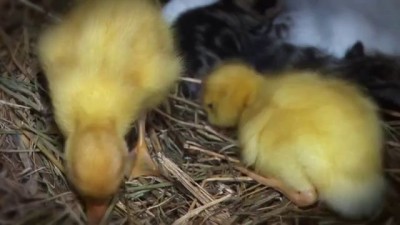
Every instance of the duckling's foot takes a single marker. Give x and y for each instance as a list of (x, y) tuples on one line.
[(142, 164), (303, 198), (299, 198), (95, 211)]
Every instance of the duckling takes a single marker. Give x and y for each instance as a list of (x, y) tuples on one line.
[(104, 63), (310, 136)]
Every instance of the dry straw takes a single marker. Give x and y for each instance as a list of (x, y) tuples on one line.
[(202, 182)]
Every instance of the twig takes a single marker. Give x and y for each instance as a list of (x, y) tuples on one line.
[(237, 166), (194, 188), (2, 102), (39, 9), (6, 41), (228, 179), (51, 157), (208, 152), (160, 204), (179, 121), (213, 131), (394, 144), (18, 150), (191, 80), (192, 213), (187, 102), (197, 126), (391, 112)]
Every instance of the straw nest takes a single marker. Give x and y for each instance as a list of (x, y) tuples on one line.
[(201, 184)]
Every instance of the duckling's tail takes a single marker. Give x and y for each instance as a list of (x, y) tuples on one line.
[(356, 200)]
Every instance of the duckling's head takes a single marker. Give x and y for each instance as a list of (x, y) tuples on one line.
[(96, 162), (227, 91)]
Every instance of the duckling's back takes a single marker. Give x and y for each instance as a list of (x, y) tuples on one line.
[(328, 106), (108, 58), (332, 132)]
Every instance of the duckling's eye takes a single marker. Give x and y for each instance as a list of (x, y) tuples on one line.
[(210, 106)]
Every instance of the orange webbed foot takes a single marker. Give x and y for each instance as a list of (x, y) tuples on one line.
[(142, 164), (299, 198), (303, 198)]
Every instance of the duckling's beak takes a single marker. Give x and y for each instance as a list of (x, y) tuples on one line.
[(95, 210)]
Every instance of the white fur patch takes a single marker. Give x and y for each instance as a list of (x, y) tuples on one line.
[(337, 25), (173, 9)]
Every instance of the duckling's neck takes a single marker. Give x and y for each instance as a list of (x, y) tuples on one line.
[(258, 99), (82, 126)]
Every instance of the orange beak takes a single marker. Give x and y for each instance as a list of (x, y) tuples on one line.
[(95, 210)]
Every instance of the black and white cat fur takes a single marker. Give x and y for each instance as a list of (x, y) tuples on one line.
[(227, 30), (334, 26), (377, 73), (220, 31)]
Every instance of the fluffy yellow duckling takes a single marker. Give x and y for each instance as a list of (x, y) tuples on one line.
[(107, 63), (310, 136)]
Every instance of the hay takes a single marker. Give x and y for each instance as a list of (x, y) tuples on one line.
[(201, 183)]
